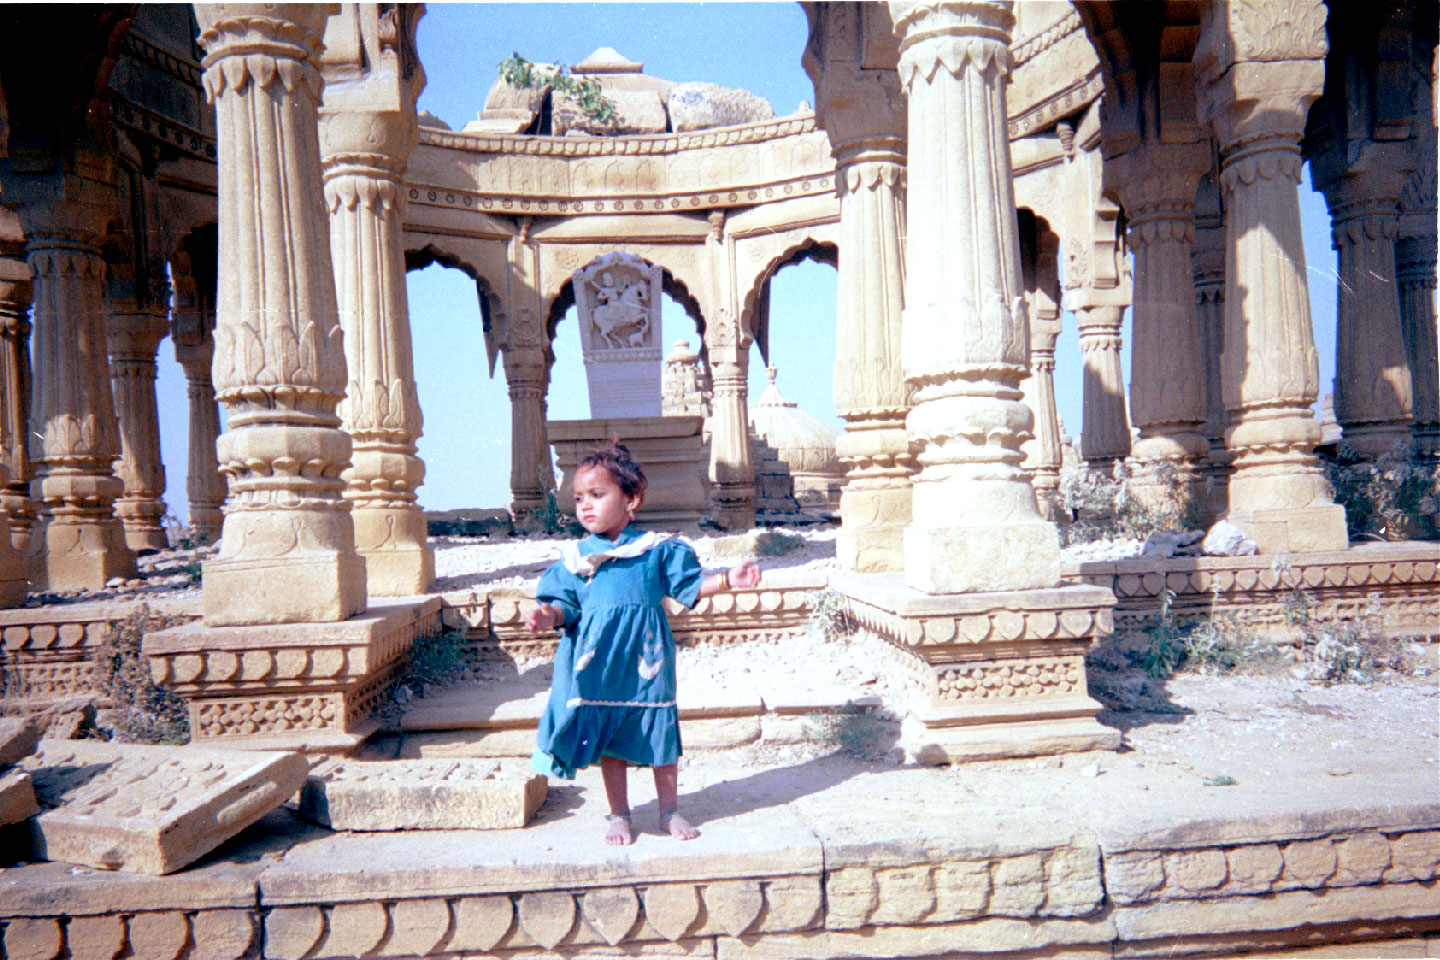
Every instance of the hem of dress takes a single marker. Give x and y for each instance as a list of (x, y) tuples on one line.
[(582, 702)]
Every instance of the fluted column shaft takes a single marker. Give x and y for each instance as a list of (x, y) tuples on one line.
[(204, 486), (381, 412), (288, 549), (531, 473), (1415, 273), (15, 502), (1167, 386), (731, 470), (133, 337), (966, 338), (870, 391), (1373, 400), (1105, 426), (1278, 494), (1208, 274), (73, 430), (1043, 453)]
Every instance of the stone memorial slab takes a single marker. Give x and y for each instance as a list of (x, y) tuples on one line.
[(618, 296), (458, 794), (150, 809), (18, 738), (17, 797)]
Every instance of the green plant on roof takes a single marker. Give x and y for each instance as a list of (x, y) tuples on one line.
[(521, 73)]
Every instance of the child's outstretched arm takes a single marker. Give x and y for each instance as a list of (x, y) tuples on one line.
[(746, 573), (544, 617)]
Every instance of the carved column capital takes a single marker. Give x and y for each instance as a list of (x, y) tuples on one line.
[(954, 35)]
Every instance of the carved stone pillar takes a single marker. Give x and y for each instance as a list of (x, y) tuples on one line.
[(367, 127), (133, 337), (288, 549), (531, 473), (732, 473), (1105, 426), (966, 339), (1415, 272), (1207, 264), (381, 412), (1043, 453), (15, 502), (80, 544), (204, 487), (870, 391), (731, 470), (1257, 107), (1373, 393), (861, 106), (1156, 185)]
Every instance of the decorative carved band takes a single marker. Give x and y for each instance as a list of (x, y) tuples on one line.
[(617, 146)]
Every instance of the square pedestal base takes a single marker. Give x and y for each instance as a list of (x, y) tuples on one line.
[(669, 448), (995, 674), (1294, 531), (326, 589), (296, 686), (1001, 557), (406, 572), (879, 548), (79, 556)]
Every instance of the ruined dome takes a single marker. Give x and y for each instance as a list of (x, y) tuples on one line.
[(802, 442), (643, 104)]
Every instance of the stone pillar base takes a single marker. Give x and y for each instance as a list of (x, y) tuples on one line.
[(80, 556), (398, 561), (997, 674), (300, 686), (1295, 530), (939, 740), (325, 588), (878, 548), (1003, 556), (144, 532)]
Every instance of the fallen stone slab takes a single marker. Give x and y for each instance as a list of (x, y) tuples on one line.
[(150, 809), (459, 794), (17, 797), (18, 738)]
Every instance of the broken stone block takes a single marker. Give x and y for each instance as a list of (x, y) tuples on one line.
[(18, 737), (17, 797), (698, 106), (459, 794), (150, 809)]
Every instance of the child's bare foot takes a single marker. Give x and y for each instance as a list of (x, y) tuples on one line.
[(619, 834), (678, 826)]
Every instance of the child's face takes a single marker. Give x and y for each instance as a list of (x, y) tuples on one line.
[(600, 504)]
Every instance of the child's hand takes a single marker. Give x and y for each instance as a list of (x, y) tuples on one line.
[(543, 617), (746, 573)]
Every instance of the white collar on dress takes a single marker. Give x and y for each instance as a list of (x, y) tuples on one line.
[(585, 566)]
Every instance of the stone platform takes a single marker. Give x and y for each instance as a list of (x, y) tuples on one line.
[(996, 674), (295, 686), (1090, 855), (1393, 586)]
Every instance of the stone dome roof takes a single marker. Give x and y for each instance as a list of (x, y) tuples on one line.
[(801, 440)]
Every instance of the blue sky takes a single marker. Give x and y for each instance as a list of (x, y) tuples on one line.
[(755, 46)]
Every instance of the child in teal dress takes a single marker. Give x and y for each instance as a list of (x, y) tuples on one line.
[(612, 699)]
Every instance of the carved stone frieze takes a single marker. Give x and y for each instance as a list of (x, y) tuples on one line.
[(1255, 869), (1389, 587), (998, 674), (301, 685)]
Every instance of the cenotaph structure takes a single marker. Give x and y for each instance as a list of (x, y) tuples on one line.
[(618, 299)]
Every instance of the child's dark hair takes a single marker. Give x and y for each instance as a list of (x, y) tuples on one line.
[(614, 457)]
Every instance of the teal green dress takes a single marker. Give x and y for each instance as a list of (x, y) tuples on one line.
[(613, 693)]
